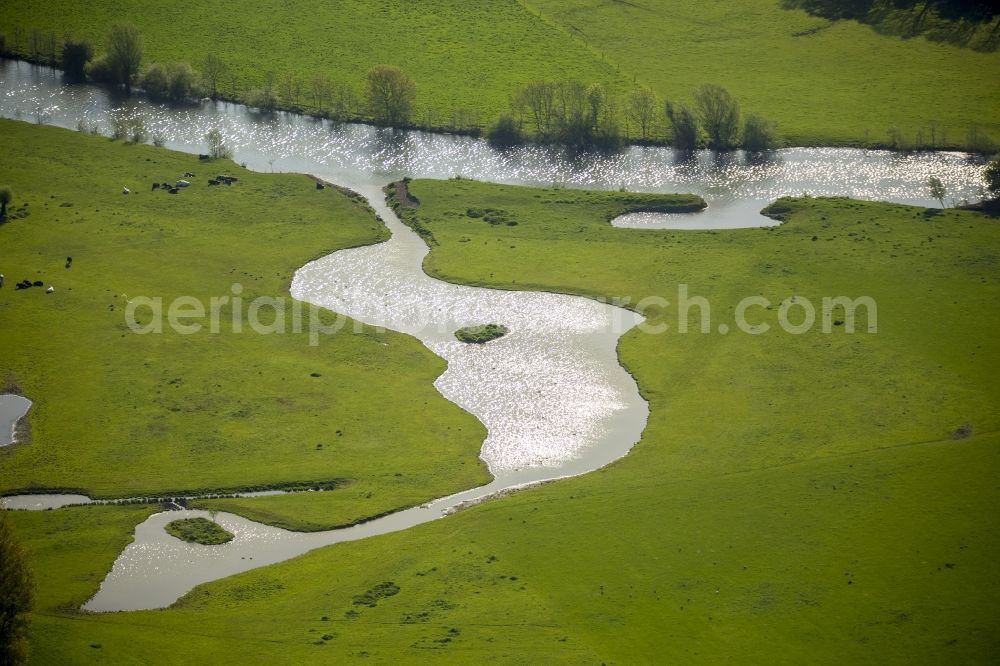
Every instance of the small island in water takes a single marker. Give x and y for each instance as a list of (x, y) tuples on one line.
[(199, 530), (481, 334)]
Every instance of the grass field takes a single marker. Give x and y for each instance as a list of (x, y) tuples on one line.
[(462, 56), (118, 413), (814, 498), (822, 81)]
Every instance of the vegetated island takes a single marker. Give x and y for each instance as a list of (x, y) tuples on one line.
[(199, 530), (481, 334)]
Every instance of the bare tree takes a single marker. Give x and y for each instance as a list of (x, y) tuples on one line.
[(642, 109), (213, 69), (217, 147), (538, 100), (390, 94), (345, 101), (35, 42), (596, 97), (720, 116), (322, 88), (937, 189)]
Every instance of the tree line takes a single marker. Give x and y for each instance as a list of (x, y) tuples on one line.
[(590, 116), (577, 114)]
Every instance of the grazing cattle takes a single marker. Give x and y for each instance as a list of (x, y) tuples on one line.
[(156, 186), (37, 283), (125, 190), (173, 190), (182, 183), (50, 290), (166, 186), (212, 182), (319, 185), (188, 174)]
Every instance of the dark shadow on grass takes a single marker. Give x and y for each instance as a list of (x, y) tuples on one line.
[(973, 24)]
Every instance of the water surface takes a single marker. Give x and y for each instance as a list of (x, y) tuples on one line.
[(551, 393), (12, 408)]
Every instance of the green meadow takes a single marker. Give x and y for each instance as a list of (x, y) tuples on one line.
[(813, 498), (822, 81), (117, 413)]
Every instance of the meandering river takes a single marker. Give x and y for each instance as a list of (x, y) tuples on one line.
[(552, 394)]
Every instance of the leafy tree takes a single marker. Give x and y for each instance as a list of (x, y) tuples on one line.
[(75, 56), (5, 198), (217, 147), (720, 116), (16, 595), (758, 134), (213, 69), (936, 189), (390, 94), (124, 54), (683, 126), (992, 176), (642, 109)]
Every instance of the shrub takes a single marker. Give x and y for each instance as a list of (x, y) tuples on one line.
[(99, 70), (75, 56), (198, 530), (175, 81), (505, 133), (5, 198), (481, 334), (992, 176), (684, 126), (132, 128), (758, 134)]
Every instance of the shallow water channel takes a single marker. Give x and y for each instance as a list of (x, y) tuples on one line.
[(552, 394), (12, 408)]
